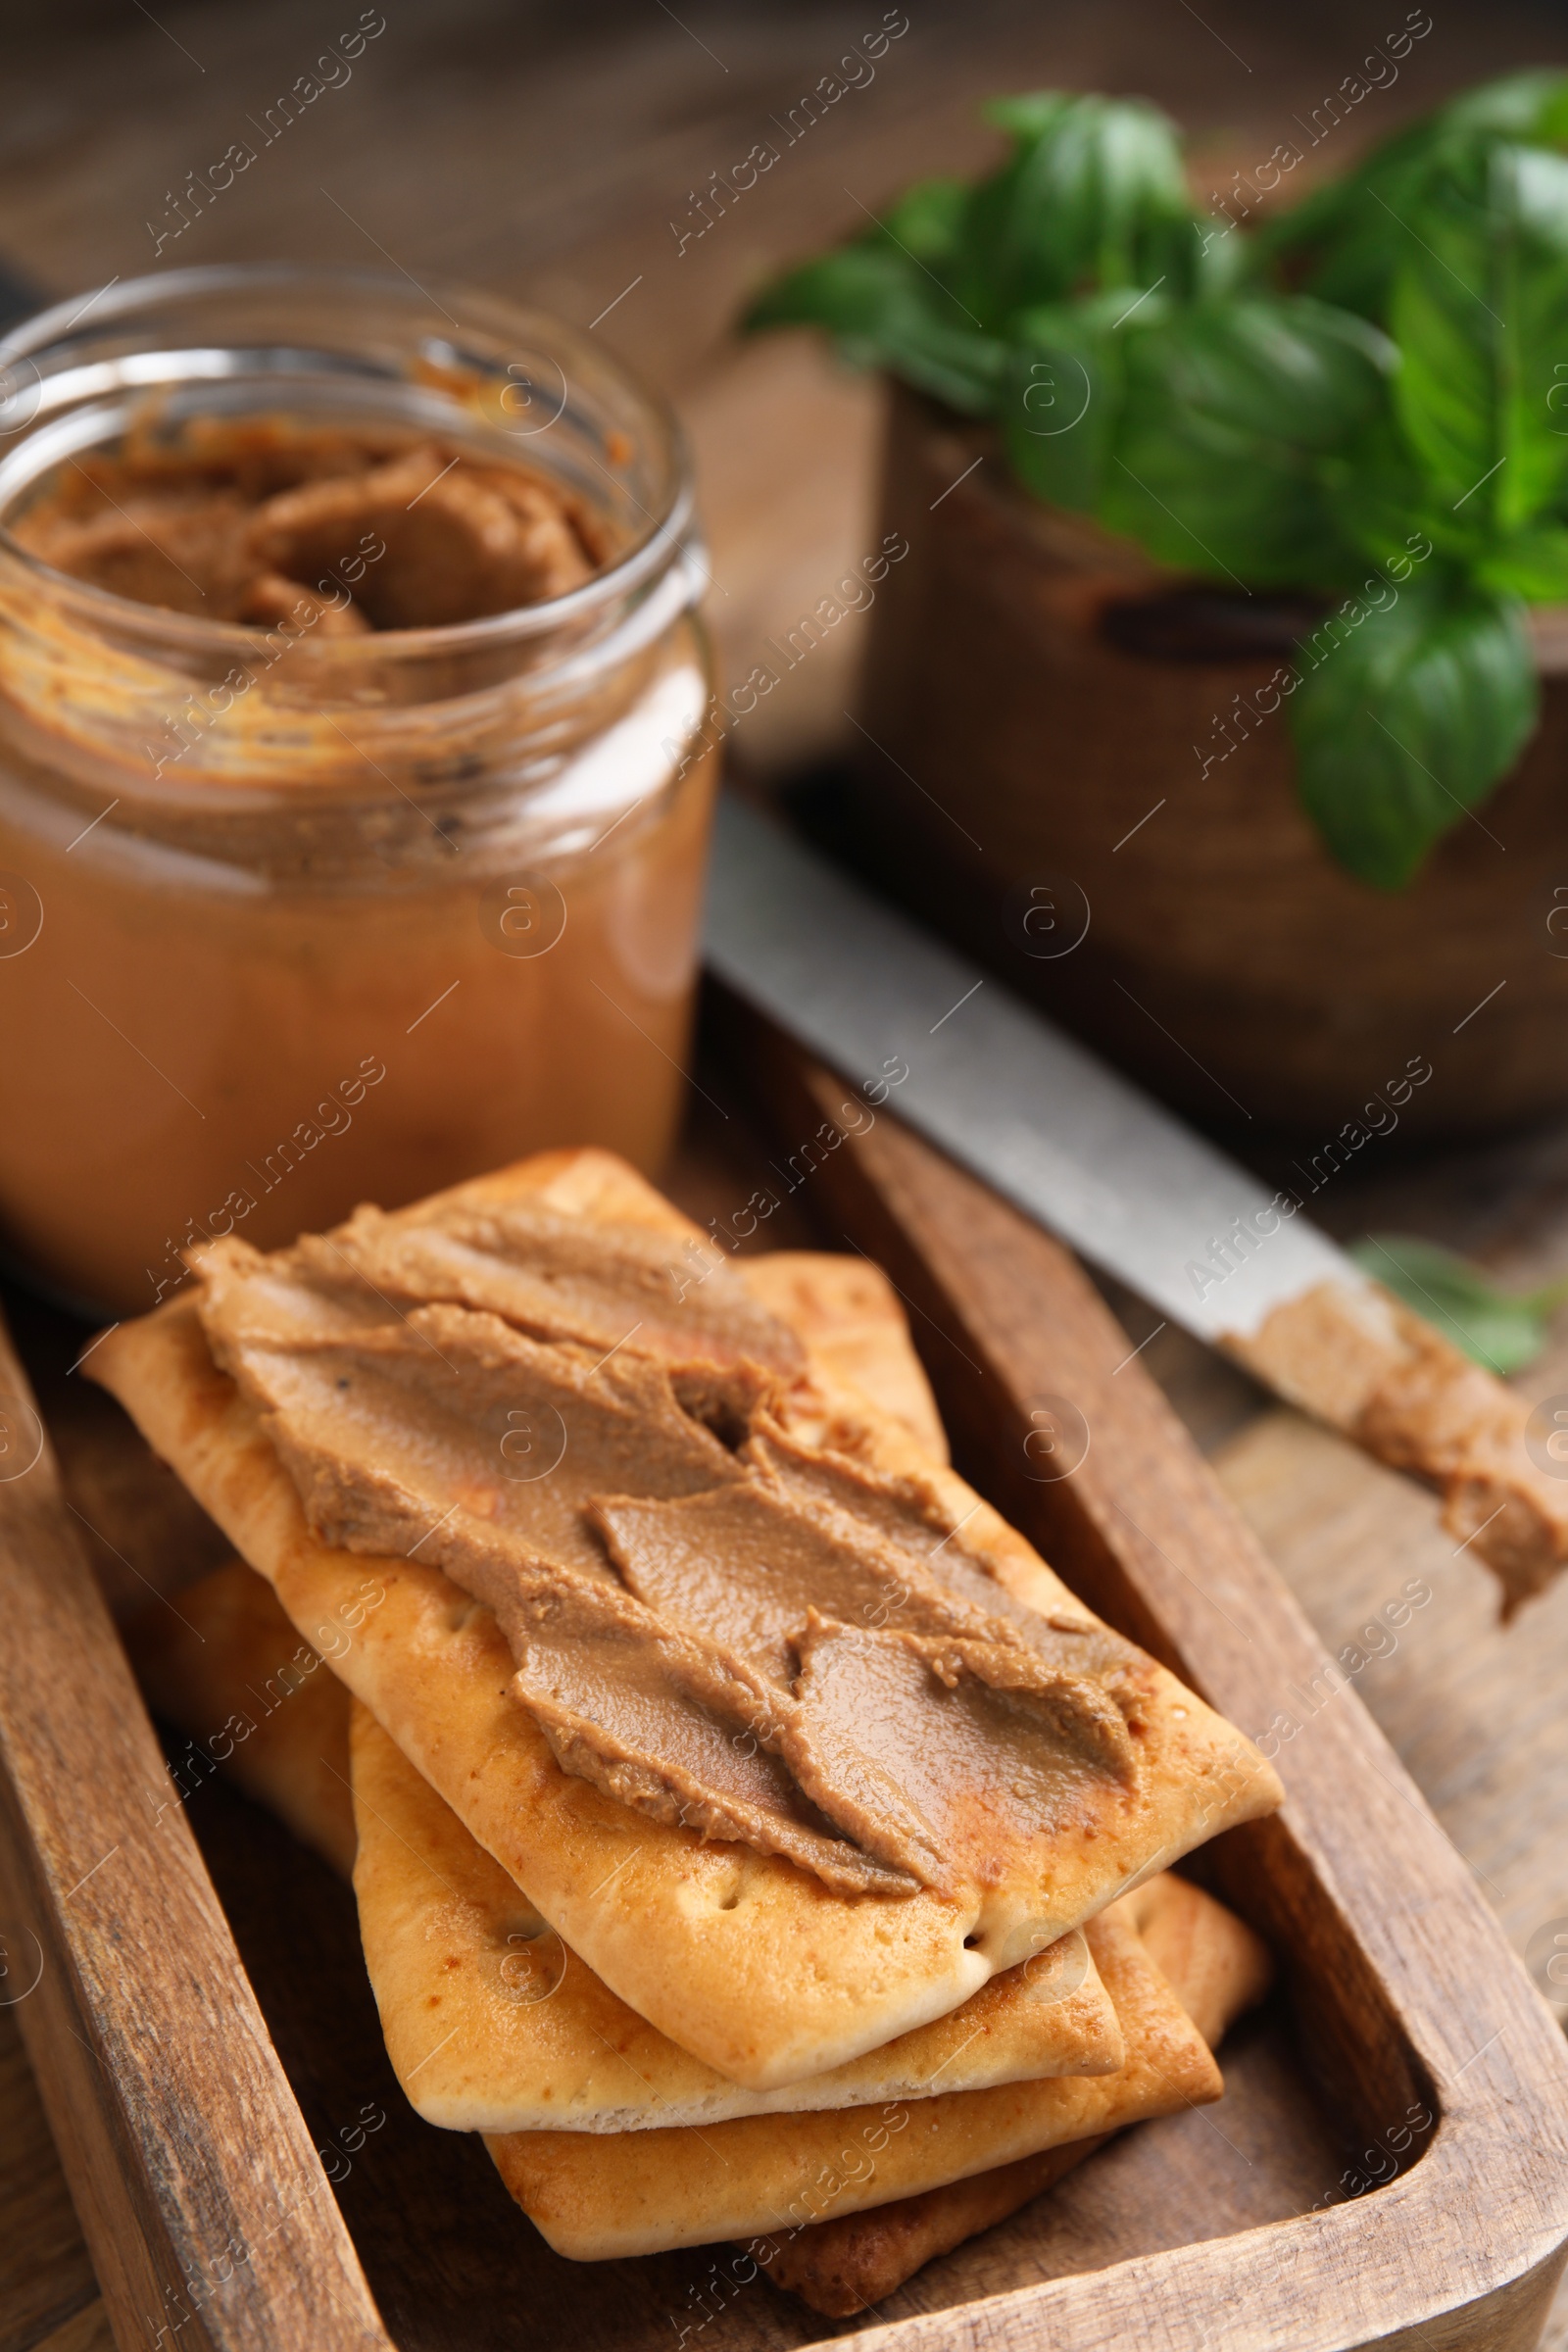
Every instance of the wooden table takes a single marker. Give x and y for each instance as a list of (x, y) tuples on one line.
[(528, 151)]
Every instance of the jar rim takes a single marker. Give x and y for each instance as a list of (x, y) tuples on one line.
[(665, 538)]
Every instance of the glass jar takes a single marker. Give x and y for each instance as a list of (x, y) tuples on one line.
[(289, 921)]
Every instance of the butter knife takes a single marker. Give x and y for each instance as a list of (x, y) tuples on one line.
[(1235, 1261)]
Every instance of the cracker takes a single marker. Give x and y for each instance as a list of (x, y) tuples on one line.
[(1216, 1966), (223, 1662), (740, 1957), (491, 2025), (463, 1968), (848, 1313), (643, 2192)]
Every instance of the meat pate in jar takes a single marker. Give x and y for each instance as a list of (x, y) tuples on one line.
[(353, 800)]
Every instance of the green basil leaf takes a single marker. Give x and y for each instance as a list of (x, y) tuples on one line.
[(883, 312), (1405, 717), (1532, 564), (1283, 367), (1382, 500), (1550, 128), (843, 292), (1479, 310), (1532, 105), (1344, 241), (1534, 191), (1504, 1330), (1227, 261), (1093, 195), (1061, 409), (1340, 242), (927, 221), (1032, 115), (1228, 409)]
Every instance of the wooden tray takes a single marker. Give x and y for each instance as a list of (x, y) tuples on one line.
[(1387, 2164)]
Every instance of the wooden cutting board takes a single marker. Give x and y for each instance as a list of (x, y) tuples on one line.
[(1402, 1998)]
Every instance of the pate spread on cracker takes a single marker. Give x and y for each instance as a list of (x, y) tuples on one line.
[(722, 1627), (741, 1953)]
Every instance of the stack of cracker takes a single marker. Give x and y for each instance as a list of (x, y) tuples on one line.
[(719, 1912)]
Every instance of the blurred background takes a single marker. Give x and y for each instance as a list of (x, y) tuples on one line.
[(580, 158)]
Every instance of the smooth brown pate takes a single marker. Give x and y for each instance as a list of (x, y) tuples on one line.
[(378, 529), (712, 1621), (1364, 1363)]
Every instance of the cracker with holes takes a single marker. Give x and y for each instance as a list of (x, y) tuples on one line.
[(502, 2029), (490, 2023), (1216, 1966), (787, 2177), (493, 2025), (790, 1738)]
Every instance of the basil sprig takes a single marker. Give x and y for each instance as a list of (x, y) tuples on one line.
[(1503, 1329), (1382, 369)]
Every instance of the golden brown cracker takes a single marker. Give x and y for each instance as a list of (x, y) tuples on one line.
[(641, 2193), (739, 1957)]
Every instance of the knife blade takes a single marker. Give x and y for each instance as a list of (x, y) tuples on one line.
[(1003, 1090), (1125, 1183)]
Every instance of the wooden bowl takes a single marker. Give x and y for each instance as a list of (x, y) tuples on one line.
[(1057, 734)]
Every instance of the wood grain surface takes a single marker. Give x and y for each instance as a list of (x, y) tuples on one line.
[(1019, 1348), (552, 152), (203, 2213)]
